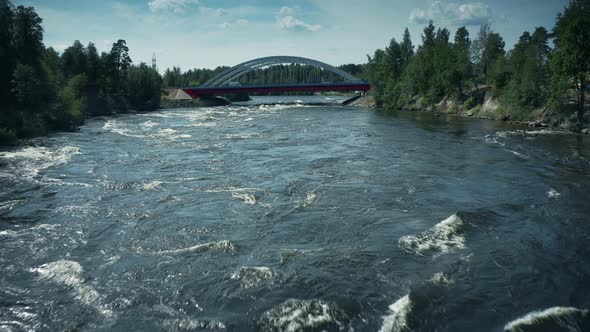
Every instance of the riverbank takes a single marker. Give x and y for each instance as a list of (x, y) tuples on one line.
[(490, 109), (21, 124)]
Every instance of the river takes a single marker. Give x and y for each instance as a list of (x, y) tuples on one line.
[(279, 217)]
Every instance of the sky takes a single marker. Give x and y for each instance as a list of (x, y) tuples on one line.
[(211, 33)]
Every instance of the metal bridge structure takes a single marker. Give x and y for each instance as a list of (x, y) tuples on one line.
[(226, 81)]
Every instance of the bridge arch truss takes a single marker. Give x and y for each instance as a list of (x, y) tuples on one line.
[(229, 75)]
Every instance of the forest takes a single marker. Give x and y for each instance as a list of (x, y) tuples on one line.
[(544, 74), (42, 90)]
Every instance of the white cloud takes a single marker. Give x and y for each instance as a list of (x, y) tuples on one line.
[(286, 20), (293, 24), (178, 6), (454, 14), (286, 11)]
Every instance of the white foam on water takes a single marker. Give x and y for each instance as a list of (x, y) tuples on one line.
[(166, 114), (251, 276), (29, 161), (240, 136), (243, 194), (167, 131), (244, 197), (69, 273), (493, 139), (231, 189), (171, 134), (203, 124), (121, 129), (27, 320), (444, 237), (440, 278), (301, 315), (309, 198), (553, 193), (149, 124), (397, 320), (8, 232), (278, 107), (518, 154), (532, 132), (152, 185), (188, 324), (564, 316), (9, 205), (225, 246)]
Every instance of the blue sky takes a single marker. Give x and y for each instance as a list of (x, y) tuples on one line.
[(209, 33)]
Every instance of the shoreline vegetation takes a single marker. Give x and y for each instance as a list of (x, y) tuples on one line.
[(534, 83), (541, 82), (44, 91)]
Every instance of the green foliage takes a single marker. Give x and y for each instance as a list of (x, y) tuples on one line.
[(93, 65), (26, 87), (118, 62), (520, 79), (72, 104), (493, 51), (406, 48), (174, 78), (7, 53), (73, 60), (470, 103), (28, 35), (42, 90), (145, 87), (572, 54)]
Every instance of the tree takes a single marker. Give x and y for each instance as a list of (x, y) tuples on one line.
[(407, 48), (173, 78), (572, 56), (145, 86), (428, 36), (7, 54), (51, 65), (377, 77), (479, 43), (28, 36), (493, 49), (26, 87), (73, 60), (393, 60), (72, 104), (92, 64), (462, 68), (119, 63)]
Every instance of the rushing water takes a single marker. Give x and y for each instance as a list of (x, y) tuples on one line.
[(294, 217)]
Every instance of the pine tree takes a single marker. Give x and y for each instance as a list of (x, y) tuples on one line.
[(407, 48), (572, 57)]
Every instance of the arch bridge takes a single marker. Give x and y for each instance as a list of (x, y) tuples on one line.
[(226, 81)]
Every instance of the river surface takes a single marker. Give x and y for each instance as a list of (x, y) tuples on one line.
[(292, 217)]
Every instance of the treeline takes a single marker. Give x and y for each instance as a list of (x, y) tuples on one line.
[(466, 72), (175, 78), (277, 74), (42, 90)]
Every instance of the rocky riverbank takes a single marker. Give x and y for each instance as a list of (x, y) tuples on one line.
[(491, 109)]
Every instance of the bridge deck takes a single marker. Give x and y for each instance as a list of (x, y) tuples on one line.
[(197, 92)]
